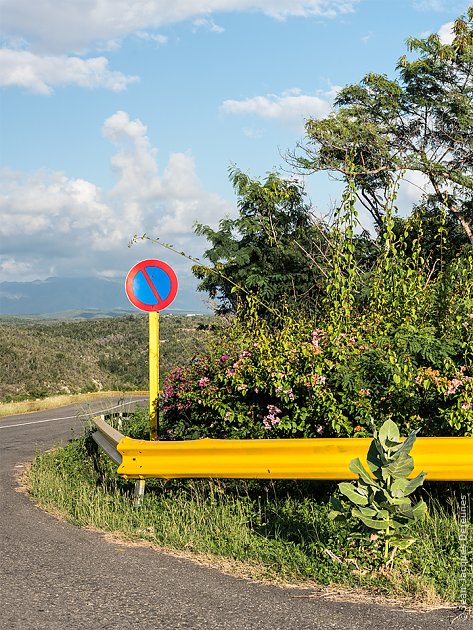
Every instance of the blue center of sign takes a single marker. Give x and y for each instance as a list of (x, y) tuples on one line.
[(160, 281)]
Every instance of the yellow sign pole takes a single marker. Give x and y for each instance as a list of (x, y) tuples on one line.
[(153, 375)]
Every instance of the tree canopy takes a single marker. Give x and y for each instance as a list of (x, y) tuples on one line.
[(273, 250), (421, 121)]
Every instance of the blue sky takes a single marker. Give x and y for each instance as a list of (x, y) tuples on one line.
[(121, 117)]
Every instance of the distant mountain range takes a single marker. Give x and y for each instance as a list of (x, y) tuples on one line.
[(83, 297)]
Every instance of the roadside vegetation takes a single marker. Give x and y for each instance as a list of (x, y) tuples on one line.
[(53, 402), (40, 359), (278, 531), (327, 330)]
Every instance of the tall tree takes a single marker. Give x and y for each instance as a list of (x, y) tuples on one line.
[(273, 250), (422, 121)]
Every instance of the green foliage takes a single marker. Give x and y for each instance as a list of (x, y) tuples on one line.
[(275, 530), (381, 505), (420, 122), (40, 358), (134, 424), (271, 250), (395, 341)]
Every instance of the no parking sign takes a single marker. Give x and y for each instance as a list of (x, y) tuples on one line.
[(151, 285)]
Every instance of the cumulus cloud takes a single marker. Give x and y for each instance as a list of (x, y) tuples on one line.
[(169, 203), (39, 37), (445, 33), (53, 206), (42, 73), (291, 107), (55, 225), (80, 24)]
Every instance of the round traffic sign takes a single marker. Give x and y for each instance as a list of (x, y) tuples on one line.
[(151, 285)]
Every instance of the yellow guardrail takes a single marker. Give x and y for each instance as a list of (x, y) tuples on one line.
[(443, 458)]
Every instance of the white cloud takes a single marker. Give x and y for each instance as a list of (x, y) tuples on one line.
[(152, 37), (10, 266), (445, 33), (412, 187), (40, 36), (252, 133), (54, 225), (61, 27), (49, 202), (170, 203), (208, 25), (42, 73), (291, 107)]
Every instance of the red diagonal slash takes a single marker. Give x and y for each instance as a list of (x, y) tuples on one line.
[(151, 285)]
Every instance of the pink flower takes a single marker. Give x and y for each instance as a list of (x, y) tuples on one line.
[(318, 380), (317, 336), (272, 419), (453, 385), (204, 382), (289, 393)]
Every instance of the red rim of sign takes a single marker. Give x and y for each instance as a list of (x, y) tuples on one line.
[(142, 266)]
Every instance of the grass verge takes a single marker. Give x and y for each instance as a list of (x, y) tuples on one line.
[(51, 402), (274, 531)]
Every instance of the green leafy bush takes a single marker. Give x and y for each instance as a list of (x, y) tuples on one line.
[(392, 342), (381, 507), (295, 382)]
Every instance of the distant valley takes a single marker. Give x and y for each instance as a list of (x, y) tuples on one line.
[(41, 357)]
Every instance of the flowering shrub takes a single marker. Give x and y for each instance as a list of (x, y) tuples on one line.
[(298, 382), (452, 395), (392, 343)]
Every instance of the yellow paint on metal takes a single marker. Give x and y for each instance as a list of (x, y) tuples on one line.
[(153, 374), (443, 458)]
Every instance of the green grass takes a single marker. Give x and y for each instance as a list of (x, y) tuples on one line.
[(278, 531)]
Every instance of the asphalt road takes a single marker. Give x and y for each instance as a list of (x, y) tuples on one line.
[(56, 576)]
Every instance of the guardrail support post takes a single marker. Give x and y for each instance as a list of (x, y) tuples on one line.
[(139, 492)]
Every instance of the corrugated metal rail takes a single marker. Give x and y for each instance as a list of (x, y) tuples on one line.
[(443, 458), (107, 438)]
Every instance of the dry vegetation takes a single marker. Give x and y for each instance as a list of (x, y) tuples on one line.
[(40, 358)]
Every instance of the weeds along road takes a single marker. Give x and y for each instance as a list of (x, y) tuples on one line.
[(57, 576)]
